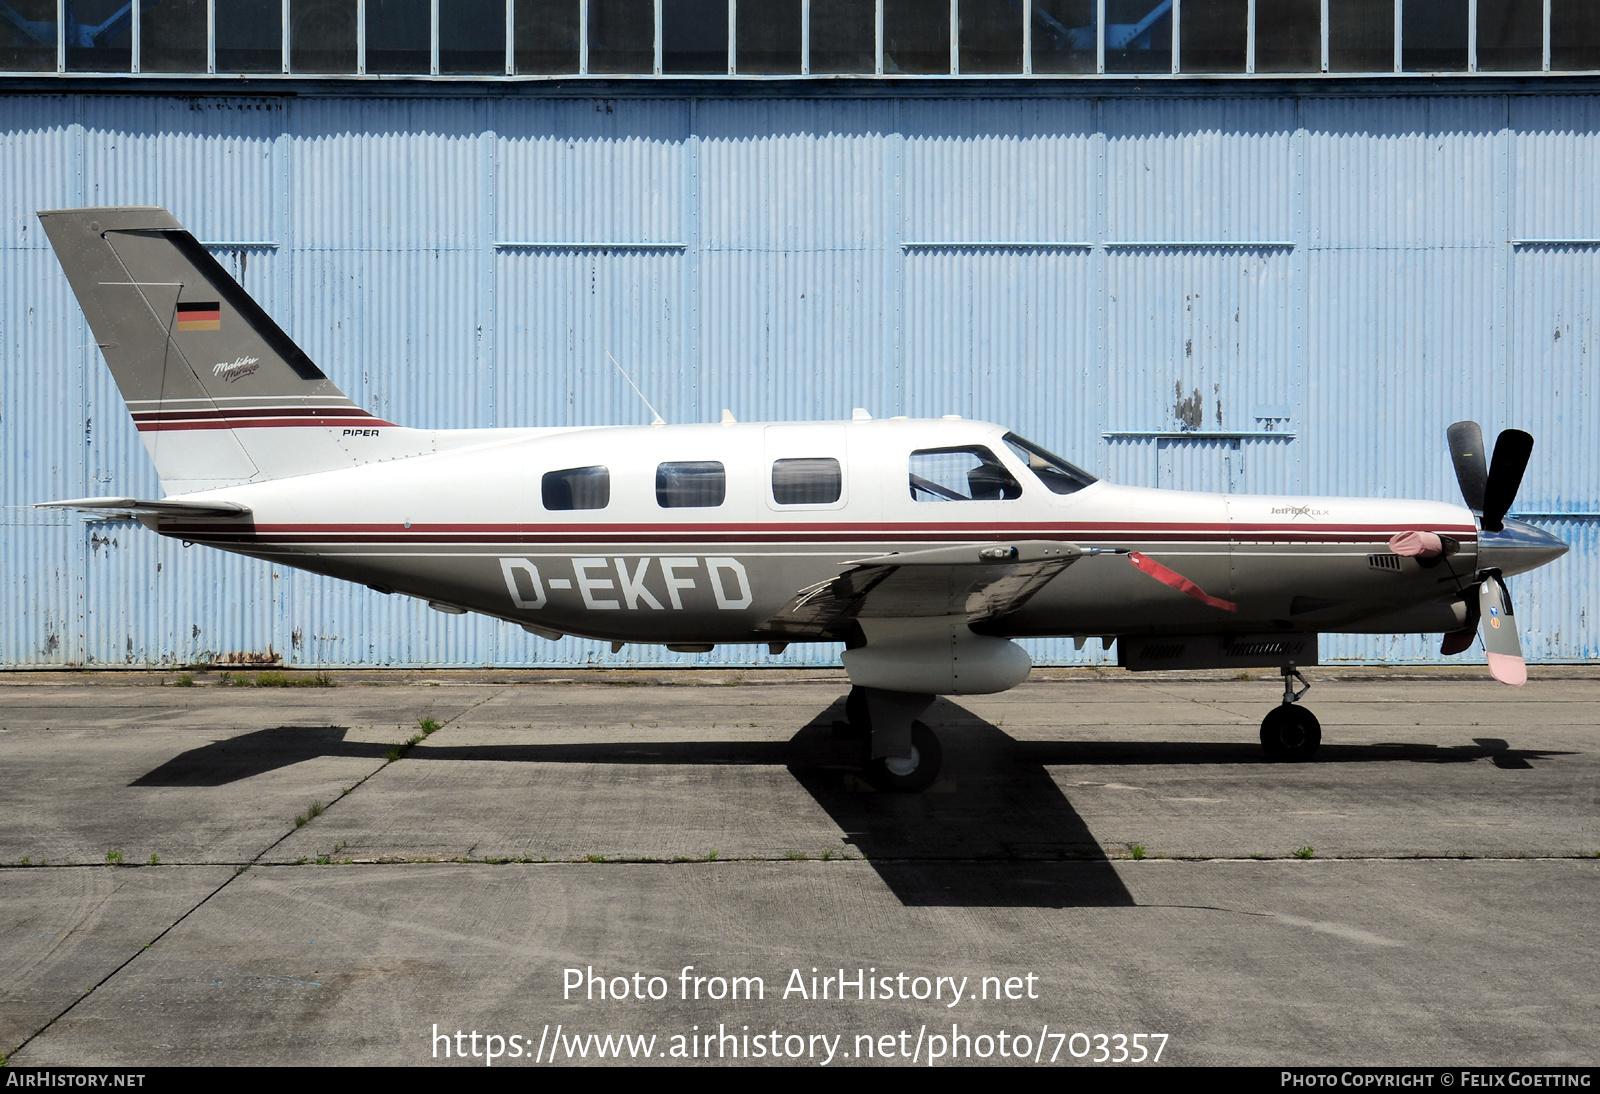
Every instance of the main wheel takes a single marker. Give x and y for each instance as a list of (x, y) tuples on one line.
[(1290, 732), (858, 720), (855, 710), (894, 775)]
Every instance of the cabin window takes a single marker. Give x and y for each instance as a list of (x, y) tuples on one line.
[(812, 481), (698, 485), (960, 474), (1056, 473), (577, 488)]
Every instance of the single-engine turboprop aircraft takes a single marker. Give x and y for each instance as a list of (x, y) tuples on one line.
[(925, 546)]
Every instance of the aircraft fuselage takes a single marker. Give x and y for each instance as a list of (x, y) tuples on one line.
[(469, 529)]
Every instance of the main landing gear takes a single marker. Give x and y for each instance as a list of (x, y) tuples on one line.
[(899, 754), (1289, 731)]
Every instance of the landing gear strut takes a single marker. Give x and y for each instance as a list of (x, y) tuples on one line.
[(900, 755), (1290, 731)]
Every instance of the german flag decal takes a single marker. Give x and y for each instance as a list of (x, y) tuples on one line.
[(200, 316)]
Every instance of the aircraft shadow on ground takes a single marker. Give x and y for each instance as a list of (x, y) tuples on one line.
[(995, 831)]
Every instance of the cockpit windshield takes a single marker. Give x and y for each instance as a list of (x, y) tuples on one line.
[(1056, 473)]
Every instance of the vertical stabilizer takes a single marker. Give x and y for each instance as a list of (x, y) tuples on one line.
[(219, 393)]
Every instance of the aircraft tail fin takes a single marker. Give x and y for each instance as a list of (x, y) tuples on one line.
[(219, 393)]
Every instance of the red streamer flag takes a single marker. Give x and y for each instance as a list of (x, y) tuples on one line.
[(1179, 582)]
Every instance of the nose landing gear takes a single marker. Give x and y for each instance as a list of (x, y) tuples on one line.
[(1289, 731)]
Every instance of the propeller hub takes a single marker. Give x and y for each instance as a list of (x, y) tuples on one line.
[(1518, 548)]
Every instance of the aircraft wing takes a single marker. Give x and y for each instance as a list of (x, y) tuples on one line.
[(977, 581), (134, 507)]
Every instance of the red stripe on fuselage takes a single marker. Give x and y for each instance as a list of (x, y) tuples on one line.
[(367, 422), (620, 534)]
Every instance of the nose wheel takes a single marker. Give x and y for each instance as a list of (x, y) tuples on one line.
[(1290, 731)]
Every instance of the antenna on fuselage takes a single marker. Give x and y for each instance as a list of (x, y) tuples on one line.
[(659, 420)]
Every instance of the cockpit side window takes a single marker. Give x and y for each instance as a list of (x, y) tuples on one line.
[(969, 473), (1056, 473)]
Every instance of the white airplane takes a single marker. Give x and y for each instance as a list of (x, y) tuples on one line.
[(925, 546)]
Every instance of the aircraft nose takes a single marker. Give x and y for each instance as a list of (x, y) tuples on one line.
[(1519, 548)]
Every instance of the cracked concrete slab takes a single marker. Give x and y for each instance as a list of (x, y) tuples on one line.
[(189, 774), (1237, 962), (63, 930), (1019, 860)]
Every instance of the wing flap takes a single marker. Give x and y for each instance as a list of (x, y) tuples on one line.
[(974, 581)]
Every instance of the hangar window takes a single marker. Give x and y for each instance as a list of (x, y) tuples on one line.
[(1063, 35), (960, 474), (991, 36), (29, 44), (399, 36), (697, 485), (472, 37), (1510, 35), (577, 488), (1433, 35), (1361, 36), (172, 36), (813, 481), (844, 36), (322, 35), (546, 37), (1213, 35), (721, 38), (1574, 35), (99, 36), (1138, 35), (916, 37), (249, 35), (1288, 35), (622, 36), (768, 38), (1056, 473), (694, 36)]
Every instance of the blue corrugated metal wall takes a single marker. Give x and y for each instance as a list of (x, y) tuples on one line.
[(1317, 285)]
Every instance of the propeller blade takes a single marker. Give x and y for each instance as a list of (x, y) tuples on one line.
[(1499, 625), (1511, 451), (1472, 466)]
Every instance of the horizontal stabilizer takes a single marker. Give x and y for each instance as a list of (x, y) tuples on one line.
[(134, 506)]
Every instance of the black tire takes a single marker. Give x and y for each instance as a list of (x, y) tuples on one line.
[(908, 777), (855, 710), (1290, 732)]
